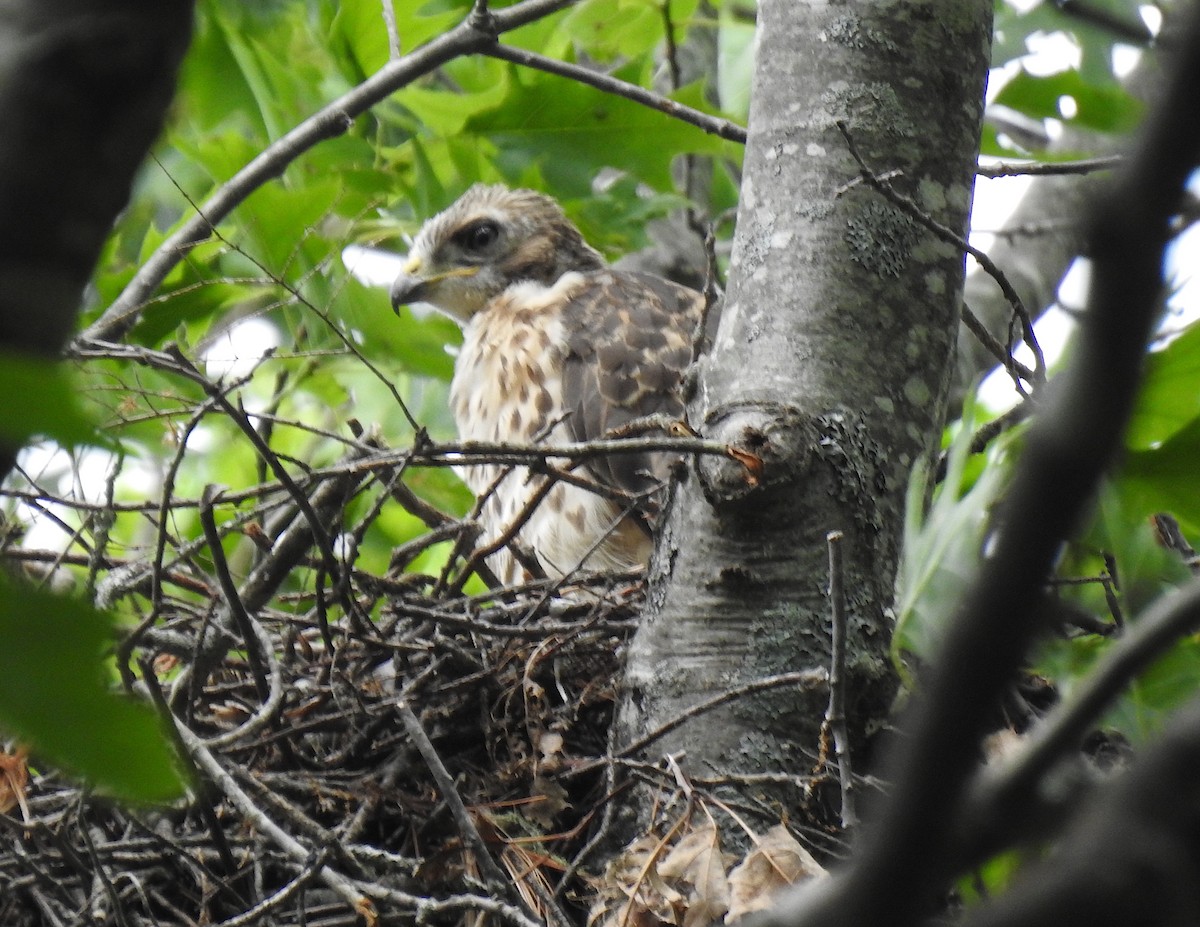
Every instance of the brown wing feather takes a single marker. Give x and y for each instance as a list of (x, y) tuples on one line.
[(629, 341)]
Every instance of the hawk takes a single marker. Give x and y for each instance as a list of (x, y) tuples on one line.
[(557, 347)]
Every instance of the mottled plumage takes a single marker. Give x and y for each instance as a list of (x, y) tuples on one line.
[(557, 347)]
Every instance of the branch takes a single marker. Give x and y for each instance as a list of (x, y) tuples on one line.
[(835, 714), (1044, 168), (898, 199), (83, 90), (329, 122), (713, 125), (1001, 800)]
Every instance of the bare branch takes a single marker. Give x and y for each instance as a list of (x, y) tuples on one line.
[(913, 210), (835, 714), (713, 125), (445, 783), (1047, 168)]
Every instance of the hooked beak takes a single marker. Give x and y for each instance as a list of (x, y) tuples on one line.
[(408, 287)]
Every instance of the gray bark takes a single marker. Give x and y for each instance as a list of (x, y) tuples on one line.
[(831, 363)]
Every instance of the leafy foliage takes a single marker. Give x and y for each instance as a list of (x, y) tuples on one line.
[(75, 721)]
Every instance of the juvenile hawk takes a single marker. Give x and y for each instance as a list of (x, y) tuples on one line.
[(557, 347)]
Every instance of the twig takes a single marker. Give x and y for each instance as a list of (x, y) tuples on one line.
[(835, 714), (256, 913), (492, 873), (270, 706), (804, 679), (1047, 168), (214, 772), (160, 540), (329, 122), (986, 435), (100, 874), (204, 787), (713, 125), (233, 600), (1003, 356), (909, 207)]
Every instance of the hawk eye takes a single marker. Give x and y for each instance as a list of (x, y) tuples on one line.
[(479, 236)]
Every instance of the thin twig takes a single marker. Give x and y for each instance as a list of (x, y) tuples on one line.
[(986, 435), (805, 679), (233, 600), (713, 125), (835, 714), (1003, 356), (329, 122), (1048, 168), (257, 913), (909, 207), (492, 873)]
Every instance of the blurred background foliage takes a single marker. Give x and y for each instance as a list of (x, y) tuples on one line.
[(268, 308)]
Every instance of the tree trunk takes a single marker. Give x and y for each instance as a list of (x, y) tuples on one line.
[(831, 363)]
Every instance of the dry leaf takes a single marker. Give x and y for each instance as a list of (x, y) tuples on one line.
[(14, 777), (698, 863), (776, 862), (752, 462), (550, 800), (632, 894)]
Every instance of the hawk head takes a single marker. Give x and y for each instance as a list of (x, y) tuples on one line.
[(488, 240)]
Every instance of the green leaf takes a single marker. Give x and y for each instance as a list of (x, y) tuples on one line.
[(610, 30), (445, 112), (942, 548), (52, 695), (1107, 108), (568, 129), (1170, 395), (192, 302), (1163, 478), (49, 403), (278, 217), (735, 50), (414, 345)]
